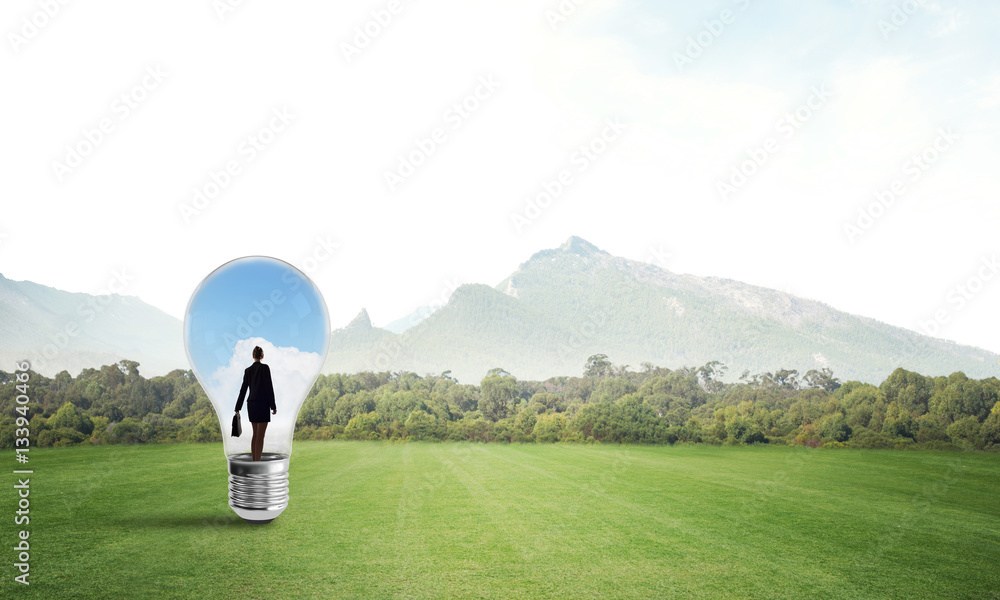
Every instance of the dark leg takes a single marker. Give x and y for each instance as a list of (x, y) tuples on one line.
[(257, 442), (261, 428), (253, 441)]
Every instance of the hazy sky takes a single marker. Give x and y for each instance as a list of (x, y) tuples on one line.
[(841, 150)]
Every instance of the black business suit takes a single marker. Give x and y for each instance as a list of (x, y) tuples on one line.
[(261, 400)]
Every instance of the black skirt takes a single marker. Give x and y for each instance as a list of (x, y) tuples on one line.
[(258, 412)]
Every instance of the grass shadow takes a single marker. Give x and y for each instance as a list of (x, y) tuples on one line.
[(207, 521)]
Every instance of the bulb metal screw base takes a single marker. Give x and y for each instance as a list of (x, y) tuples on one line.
[(258, 490)]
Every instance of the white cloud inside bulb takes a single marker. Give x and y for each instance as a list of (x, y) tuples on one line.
[(292, 374)]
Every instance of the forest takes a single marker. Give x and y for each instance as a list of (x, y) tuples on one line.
[(607, 404)]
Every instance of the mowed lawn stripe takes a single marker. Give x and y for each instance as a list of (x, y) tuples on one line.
[(781, 492), (676, 515), (430, 520), (619, 540)]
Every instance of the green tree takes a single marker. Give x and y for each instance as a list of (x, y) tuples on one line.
[(991, 427), (967, 433), (524, 423), (910, 390), (785, 378), (549, 428), (362, 427), (860, 402), (550, 401), (68, 417), (834, 427), (898, 422), (420, 425), (207, 430), (711, 375), (133, 431), (822, 379), (744, 430), (611, 389), (497, 396), (597, 365)]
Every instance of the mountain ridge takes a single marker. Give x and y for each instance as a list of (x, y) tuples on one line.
[(581, 300), (544, 319), (58, 330)]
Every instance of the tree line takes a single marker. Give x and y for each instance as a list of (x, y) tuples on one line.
[(607, 404)]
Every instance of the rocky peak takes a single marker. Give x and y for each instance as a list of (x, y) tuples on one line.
[(361, 322), (580, 246)]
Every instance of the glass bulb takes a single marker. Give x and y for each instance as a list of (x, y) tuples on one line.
[(245, 303)]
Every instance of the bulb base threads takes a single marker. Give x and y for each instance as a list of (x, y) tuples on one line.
[(258, 490)]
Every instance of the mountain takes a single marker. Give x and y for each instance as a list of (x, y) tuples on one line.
[(414, 318), (357, 346), (57, 330), (568, 303), (557, 309)]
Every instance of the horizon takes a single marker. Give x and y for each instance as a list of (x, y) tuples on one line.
[(842, 152), (442, 302), (684, 272)]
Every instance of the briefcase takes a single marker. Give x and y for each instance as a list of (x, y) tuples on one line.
[(237, 428)]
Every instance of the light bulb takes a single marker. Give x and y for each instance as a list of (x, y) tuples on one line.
[(248, 302)]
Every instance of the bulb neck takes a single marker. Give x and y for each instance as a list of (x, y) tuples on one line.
[(258, 490)]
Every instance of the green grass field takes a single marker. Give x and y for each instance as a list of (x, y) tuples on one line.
[(379, 520)]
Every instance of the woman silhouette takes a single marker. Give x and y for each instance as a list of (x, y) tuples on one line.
[(258, 378)]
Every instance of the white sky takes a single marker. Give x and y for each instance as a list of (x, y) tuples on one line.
[(652, 193)]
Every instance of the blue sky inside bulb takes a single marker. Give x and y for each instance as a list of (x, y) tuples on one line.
[(257, 301)]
